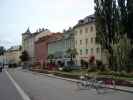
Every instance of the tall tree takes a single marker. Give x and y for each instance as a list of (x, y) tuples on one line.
[(122, 10), (130, 18), (105, 12)]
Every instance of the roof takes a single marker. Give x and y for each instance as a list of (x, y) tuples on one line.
[(14, 48), (86, 20), (67, 34), (36, 33), (50, 37), (55, 37)]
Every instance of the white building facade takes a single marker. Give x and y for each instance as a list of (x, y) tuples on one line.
[(85, 40)]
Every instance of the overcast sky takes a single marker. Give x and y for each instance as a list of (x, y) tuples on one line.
[(17, 15)]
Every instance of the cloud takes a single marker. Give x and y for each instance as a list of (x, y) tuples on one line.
[(56, 15), (5, 43)]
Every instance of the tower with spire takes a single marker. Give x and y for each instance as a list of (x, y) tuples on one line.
[(27, 34)]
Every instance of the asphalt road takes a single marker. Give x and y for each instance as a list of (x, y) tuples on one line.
[(41, 87), (7, 89)]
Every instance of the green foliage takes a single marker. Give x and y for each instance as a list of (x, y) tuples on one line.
[(100, 65), (121, 53), (2, 50), (122, 9), (130, 18), (106, 25), (24, 56), (67, 69), (113, 22), (50, 56), (92, 69), (84, 63), (72, 52)]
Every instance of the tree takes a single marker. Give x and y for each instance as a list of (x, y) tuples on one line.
[(50, 57), (121, 53), (2, 50), (122, 11), (106, 22), (24, 56), (72, 53), (130, 19), (113, 23)]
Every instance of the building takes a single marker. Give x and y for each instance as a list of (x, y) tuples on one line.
[(12, 55), (28, 42), (41, 51), (69, 44), (58, 45), (41, 48), (69, 39), (85, 39)]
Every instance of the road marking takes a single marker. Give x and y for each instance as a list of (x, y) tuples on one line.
[(19, 89)]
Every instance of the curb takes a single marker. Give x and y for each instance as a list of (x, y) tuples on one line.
[(74, 80), (124, 90)]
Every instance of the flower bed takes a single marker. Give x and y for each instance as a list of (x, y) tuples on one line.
[(117, 81)]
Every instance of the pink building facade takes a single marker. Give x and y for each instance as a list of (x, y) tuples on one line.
[(41, 48), (41, 51)]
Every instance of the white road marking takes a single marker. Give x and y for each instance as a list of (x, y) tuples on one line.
[(19, 89)]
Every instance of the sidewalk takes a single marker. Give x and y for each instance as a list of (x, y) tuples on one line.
[(120, 88)]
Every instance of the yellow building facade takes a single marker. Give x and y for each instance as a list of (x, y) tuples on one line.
[(85, 40), (13, 55)]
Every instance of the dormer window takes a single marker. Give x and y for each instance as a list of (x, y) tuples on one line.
[(81, 21), (88, 19)]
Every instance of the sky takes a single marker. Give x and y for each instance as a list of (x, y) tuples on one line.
[(17, 15)]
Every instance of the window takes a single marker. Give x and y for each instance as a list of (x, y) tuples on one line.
[(91, 40), (97, 50), (76, 33), (81, 31), (86, 51), (80, 51), (91, 29), (86, 30), (94, 40), (76, 42), (80, 42), (86, 41), (91, 50)]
